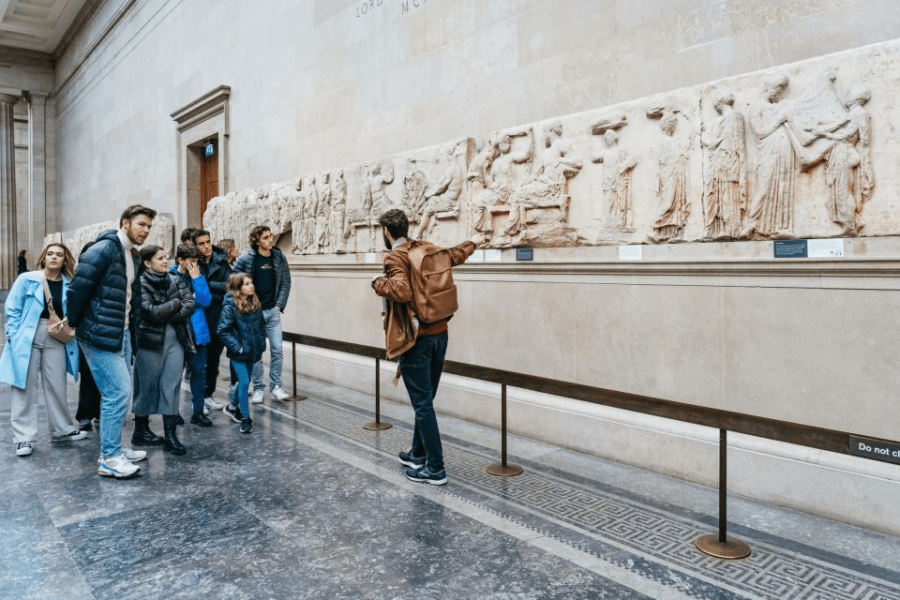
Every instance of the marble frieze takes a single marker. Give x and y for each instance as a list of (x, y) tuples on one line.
[(800, 151)]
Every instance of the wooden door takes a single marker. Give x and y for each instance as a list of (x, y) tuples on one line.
[(209, 176)]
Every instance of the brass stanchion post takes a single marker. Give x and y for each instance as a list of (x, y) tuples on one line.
[(503, 469), (719, 545)]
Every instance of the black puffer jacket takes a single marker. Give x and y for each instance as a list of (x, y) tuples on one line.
[(217, 273), (95, 300), (164, 299), (244, 336)]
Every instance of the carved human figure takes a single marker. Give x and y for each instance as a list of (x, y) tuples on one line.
[(772, 209), (617, 169), (444, 196), (377, 200), (323, 213), (309, 215), (339, 229), (848, 164), (725, 189), (297, 239), (558, 163), (673, 208), (499, 178), (414, 186)]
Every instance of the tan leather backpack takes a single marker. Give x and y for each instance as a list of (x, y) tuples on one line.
[(431, 279)]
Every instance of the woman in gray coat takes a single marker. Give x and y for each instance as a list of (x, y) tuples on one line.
[(162, 339)]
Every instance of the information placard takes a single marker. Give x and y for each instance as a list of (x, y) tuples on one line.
[(493, 255), (477, 256), (826, 248), (631, 253), (524, 253), (790, 249)]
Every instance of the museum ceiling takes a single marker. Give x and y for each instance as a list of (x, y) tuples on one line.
[(36, 25)]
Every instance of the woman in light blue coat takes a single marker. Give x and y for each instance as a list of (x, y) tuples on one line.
[(30, 351)]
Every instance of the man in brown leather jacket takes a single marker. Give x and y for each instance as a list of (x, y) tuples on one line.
[(420, 346)]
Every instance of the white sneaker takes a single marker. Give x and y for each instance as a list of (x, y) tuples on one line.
[(206, 410), (279, 394), (72, 436), (24, 448), (130, 455), (257, 397), (118, 466), (211, 404)]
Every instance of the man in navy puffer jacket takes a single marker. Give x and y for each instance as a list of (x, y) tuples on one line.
[(99, 301)]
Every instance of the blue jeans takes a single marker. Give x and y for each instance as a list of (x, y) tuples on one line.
[(197, 364), (272, 318), (243, 375), (113, 373), (421, 368)]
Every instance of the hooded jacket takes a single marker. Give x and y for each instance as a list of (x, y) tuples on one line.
[(96, 296), (202, 299), (243, 335)]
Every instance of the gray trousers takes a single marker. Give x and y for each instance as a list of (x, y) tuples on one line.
[(157, 378), (48, 362)]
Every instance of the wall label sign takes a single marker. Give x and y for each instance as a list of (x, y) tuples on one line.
[(631, 253), (875, 449), (209, 149), (791, 249), (524, 253), (809, 248)]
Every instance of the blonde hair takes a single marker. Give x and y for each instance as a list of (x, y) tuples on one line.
[(68, 267), (245, 305)]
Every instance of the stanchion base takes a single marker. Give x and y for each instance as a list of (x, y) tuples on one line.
[(732, 549), (377, 426), (501, 471)]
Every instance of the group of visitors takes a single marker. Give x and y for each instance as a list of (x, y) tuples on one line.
[(137, 325), (140, 324)]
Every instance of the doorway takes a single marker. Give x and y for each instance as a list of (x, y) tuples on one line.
[(209, 175)]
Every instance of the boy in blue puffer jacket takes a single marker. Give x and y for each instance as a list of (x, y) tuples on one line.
[(186, 257)]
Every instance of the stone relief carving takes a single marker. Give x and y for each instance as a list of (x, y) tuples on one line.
[(162, 234), (790, 152), (725, 186), (618, 165), (673, 207)]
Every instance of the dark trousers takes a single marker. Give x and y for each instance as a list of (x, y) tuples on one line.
[(213, 354), (88, 394), (421, 367), (197, 366)]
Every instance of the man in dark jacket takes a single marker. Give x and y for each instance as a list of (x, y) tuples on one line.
[(214, 267), (100, 299), (272, 279)]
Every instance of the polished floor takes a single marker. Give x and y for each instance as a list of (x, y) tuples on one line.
[(311, 505)]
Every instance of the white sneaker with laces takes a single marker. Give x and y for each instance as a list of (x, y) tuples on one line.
[(117, 466), (211, 404), (257, 397), (279, 394), (72, 436), (130, 455), (24, 448)]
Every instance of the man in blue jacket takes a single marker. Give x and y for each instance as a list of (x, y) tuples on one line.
[(100, 299), (215, 268), (272, 280)]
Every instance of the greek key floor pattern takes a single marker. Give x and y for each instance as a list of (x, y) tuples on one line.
[(640, 534)]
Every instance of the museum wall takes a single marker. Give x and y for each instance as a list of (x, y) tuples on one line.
[(653, 267)]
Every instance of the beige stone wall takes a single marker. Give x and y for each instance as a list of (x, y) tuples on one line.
[(318, 85)]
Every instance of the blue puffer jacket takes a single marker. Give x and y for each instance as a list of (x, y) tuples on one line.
[(244, 336), (96, 297), (202, 298), (244, 264)]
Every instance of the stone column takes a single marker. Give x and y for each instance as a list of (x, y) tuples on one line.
[(8, 243)]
